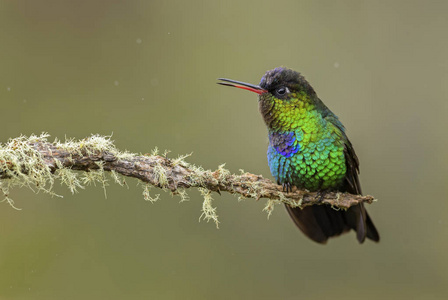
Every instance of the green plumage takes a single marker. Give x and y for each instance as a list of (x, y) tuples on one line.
[(317, 161), (308, 148)]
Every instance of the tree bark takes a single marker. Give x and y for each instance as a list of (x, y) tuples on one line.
[(171, 174)]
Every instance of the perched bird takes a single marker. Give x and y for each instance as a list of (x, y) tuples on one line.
[(308, 148)]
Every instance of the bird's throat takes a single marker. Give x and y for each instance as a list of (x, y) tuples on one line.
[(297, 113)]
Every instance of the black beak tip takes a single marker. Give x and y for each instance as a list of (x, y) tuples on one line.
[(225, 84), (241, 85)]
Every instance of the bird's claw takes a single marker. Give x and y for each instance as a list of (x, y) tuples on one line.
[(321, 195), (287, 187)]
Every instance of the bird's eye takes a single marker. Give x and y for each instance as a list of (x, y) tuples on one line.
[(282, 91)]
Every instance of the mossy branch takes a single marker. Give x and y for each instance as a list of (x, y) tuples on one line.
[(36, 163)]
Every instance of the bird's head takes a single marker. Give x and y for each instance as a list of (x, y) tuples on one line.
[(285, 97)]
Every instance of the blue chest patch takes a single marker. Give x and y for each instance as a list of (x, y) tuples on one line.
[(285, 143)]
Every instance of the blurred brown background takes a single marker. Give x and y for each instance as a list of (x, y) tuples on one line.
[(146, 72)]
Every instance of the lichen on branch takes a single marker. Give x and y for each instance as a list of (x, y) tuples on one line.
[(36, 163)]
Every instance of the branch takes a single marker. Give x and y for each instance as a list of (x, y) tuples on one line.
[(36, 163)]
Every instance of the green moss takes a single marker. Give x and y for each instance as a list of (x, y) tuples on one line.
[(23, 166), (160, 175), (269, 208), (147, 196), (208, 211)]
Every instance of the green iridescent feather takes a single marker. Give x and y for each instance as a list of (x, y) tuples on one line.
[(308, 148), (317, 161)]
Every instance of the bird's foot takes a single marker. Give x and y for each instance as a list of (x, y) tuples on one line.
[(287, 187), (321, 195)]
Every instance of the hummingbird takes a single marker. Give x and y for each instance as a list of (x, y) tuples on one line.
[(309, 149)]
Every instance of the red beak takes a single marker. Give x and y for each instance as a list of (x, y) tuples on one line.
[(242, 85)]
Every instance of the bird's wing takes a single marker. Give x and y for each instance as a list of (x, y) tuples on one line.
[(356, 216), (351, 182)]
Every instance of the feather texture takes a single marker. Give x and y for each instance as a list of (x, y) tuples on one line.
[(308, 148)]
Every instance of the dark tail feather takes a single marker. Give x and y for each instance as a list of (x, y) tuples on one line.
[(320, 222), (372, 233), (356, 219), (359, 220)]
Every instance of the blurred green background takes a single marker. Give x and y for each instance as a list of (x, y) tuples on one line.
[(146, 72)]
